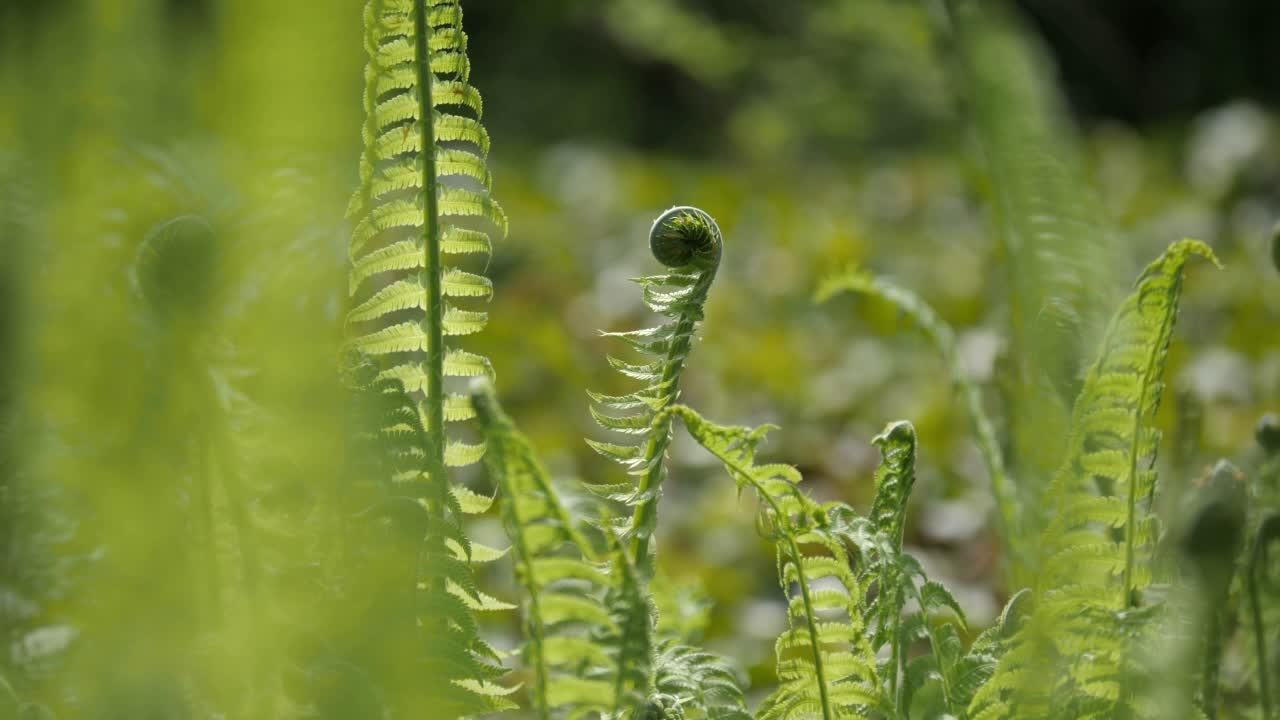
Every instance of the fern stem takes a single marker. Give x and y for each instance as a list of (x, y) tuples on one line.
[(1257, 565), (1212, 661), (431, 244)]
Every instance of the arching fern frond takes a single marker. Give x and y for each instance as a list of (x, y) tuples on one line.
[(848, 582), (688, 241), (942, 337), (1108, 480), (555, 565), (826, 663), (1095, 552), (588, 622)]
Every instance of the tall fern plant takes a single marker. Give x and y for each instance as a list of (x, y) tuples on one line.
[(422, 209)]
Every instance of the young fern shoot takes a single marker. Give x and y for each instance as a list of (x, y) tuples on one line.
[(688, 241)]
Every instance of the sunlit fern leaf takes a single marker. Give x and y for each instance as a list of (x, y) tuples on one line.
[(942, 337), (423, 205), (410, 526), (588, 623), (1108, 478), (1059, 250), (1095, 553), (826, 664), (688, 241)]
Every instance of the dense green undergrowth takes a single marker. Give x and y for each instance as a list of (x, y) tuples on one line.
[(302, 591)]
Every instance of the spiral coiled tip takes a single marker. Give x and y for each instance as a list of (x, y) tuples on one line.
[(686, 236), (175, 268)]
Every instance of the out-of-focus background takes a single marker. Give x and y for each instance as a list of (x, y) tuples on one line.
[(820, 135)]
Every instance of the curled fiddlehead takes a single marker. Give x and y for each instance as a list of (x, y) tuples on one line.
[(686, 237), (688, 241)]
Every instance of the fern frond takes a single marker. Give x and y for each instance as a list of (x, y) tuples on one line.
[(1094, 554), (1108, 480), (424, 195), (942, 337), (588, 624), (848, 583), (454, 670), (826, 663), (689, 242)]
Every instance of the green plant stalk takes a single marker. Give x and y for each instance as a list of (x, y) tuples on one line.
[(820, 669), (1256, 566), (431, 243), (897, 658), (660, 428), (1213, 613), (437, 478), (250, 567), (1129, 600), (1260, 647), (898, 655), (1130, 552)]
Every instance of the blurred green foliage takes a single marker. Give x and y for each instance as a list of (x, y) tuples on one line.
[(203, 153)]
